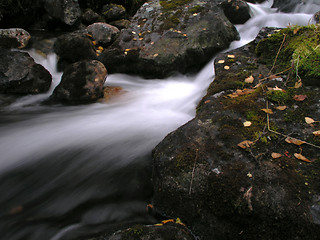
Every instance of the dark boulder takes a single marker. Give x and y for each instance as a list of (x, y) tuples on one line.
[(232, 172), (90, 17), (19, 74), (164, 38), (112, 12), (255, 1), (66, 11), (316, 17), (104, 34), (121, 24), (81, 82), (73, 47), (237, 11), (14, 38)]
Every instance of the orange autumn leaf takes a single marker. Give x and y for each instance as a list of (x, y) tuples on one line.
[(316, 133), (245, 144), (294, 141), (167, 221), (267, 110), (309, 120), (299, 98), (298, 84), (249, 79), (276, 155), (281, 108), (301, 157)]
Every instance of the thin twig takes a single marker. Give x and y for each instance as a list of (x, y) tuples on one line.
[(261, 80), (194, 167), (274, 62)]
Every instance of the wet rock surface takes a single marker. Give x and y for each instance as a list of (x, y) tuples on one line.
[(19, 74), (81, 82), (14, 38), (234, 171), (104, 34), (237, 11), (165, 38)]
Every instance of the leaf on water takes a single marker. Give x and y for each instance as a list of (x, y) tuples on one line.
[(301, 157), (294, 141), (316, 133), (281, 108), (249, 79), (267, 110), (221, 61), (309, 120), (231, 56), (247, 123), (226, 67), (276, 155), (245, 144), (298, 84), (300, 98)]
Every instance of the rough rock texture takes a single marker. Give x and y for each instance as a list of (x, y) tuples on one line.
[(166, 37), (89, 16), (316, 17), (112, 12), (223, 179), (81, 82), (104, 34), (67, 11), (14, 38), (73, 47), (121, 24), (19, 74), (237, 11)]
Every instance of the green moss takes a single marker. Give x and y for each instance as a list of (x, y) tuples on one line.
[(196, 9), (279, 97), (173, 4), (134, 233)]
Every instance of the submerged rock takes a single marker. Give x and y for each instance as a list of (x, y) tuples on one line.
[(14, 38), (168, 37), (227, 179), (19, 74), (81, 82)]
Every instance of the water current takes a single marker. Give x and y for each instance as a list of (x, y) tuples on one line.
[(68, 170)]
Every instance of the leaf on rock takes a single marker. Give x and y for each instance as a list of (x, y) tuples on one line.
[(267, 110), (167, 221), (231, 56), (221, 61), (309, 120), (294, 141), (300, 98), (276, 155), (245, 144), (301, 157), (316, 133), (298, 84), (247, 123), (226, 67), (249, 79), (281, 108), (276, 89), (240, 92)]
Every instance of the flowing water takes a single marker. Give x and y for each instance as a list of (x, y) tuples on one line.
[(67, 170)]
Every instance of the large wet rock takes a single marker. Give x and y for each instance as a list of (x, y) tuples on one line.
[(237, 11), (166, 37), (81, 82), (232, 172), (104, 34), (66, 11), (19, 74), (14, 38), (74, 47), (112, 12)]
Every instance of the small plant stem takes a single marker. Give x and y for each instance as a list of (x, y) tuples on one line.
[(194, 167), (275, 60)]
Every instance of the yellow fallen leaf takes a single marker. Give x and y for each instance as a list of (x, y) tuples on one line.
[(221, 61), (276, 155), (156, 54), (316, 133), (245, 144), (258, 85), (267, 110), (298, 84), (247, 123), (158, 224), (309, 120), (249, 79), (167, 221), (281, 108), (178, 221), (231, 56), (294, 141), (302, 158), (226, 67), (94, 42)]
